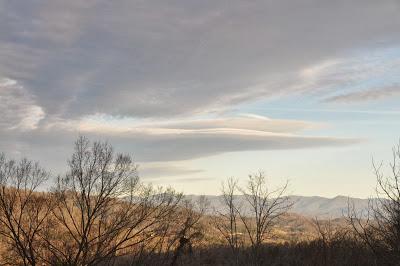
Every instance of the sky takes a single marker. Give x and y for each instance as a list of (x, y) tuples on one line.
[(199, 91)]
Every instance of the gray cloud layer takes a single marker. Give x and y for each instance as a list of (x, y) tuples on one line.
[(64, 61), (158, 58)]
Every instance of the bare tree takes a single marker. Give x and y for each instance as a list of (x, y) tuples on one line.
[(266, 206), (102, 209), (23, 210), (379, 226), (190, 228), (226, 221)]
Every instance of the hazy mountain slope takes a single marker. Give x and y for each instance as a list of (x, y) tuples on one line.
[(306, 206)]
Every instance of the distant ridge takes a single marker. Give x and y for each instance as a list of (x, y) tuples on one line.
[(309, 206)]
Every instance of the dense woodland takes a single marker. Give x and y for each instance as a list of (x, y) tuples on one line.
[(100, 213)]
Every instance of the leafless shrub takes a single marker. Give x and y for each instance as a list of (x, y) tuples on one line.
[(329, 236)]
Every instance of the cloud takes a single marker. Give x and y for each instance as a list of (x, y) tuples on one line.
[(154, 146), (185, 140), (366, 95), (258, 123), (193, 179), (201, 143), (18, 109), (157, 59), (153, 171), (111, 124), (154, 77)]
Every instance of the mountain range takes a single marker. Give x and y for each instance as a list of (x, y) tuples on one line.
[(309, 206)]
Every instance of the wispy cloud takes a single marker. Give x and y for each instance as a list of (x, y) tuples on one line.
[(110, 124), (331, 110), (159, 170), (170, 142), (199, 138), (365, 95)]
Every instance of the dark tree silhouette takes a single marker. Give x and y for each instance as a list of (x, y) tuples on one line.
[(379, 227), (265, 207), (189, 227), (23, 210), (226, 220), (102, 209)]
